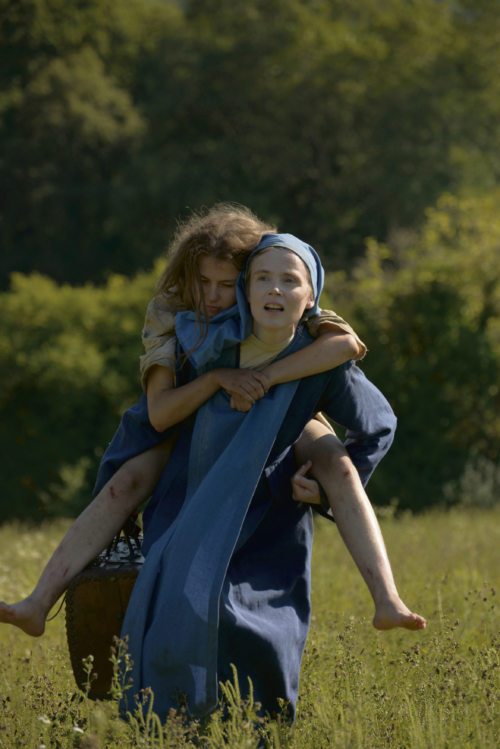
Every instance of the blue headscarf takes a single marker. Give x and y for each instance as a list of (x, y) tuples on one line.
[(307, 254), (233, 325)]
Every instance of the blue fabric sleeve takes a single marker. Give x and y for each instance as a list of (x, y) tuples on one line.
[(358, 406)]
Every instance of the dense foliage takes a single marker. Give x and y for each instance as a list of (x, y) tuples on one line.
[(428, 306), (339, 120), (68, 367)]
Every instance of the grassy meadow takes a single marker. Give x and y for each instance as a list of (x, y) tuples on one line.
[(360, 687)]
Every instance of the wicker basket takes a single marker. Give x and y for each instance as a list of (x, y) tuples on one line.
[(96, 602)]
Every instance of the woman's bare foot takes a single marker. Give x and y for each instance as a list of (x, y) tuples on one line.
[(390, 614), (27, 614)]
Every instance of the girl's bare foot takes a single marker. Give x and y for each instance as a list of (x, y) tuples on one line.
[(27, 614), (390, 614)]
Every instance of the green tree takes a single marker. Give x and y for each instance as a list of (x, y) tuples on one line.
[(68, 127), (337, 120), (68, 368), (429, 308)]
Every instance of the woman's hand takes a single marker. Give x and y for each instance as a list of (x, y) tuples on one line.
[(243, 385), (304, 489)]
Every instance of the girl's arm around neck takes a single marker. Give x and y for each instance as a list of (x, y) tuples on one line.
[(168, 405), (329, 350)]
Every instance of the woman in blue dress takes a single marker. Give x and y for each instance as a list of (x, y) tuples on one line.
[(227, 572)]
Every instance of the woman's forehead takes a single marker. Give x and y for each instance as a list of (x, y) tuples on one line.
[(279, 259)]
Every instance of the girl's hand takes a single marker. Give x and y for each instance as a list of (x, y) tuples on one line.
[(243, 384), (304, 489), (240, 404)]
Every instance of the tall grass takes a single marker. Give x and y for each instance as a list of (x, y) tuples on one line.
[(360, 687)]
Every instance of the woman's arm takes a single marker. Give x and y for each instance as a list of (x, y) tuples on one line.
[(168, 405)]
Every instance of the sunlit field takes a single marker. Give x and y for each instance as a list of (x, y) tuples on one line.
[(360, 687)]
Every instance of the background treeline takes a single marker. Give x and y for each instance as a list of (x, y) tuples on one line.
[(429, 308), (337, 120)]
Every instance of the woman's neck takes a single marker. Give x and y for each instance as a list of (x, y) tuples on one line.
[(273, 336)]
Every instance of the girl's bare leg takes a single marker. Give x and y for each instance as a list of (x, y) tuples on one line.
[(357, 523), (91, 532)]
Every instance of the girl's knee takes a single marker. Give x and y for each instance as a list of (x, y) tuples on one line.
[(330, 457), (328, 447)]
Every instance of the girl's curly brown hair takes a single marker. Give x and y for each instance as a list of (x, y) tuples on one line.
[(227, 231)]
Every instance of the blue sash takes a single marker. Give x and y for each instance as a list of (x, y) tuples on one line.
[(172, 618)]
